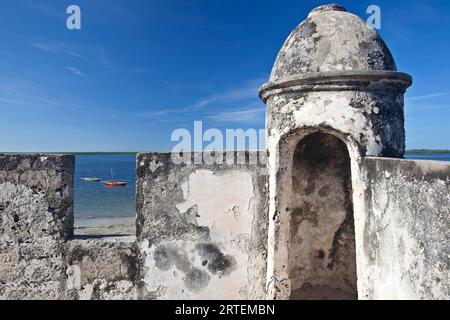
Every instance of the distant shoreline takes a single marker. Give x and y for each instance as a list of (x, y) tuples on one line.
[(74, 153), (423, 151), (82, 153), (412, 151)]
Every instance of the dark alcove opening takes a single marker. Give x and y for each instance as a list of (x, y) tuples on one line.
[(322, 254)]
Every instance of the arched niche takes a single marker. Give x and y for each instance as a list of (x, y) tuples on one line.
[(321, 244)]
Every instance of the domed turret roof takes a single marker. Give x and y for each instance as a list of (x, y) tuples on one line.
[(332, 39)]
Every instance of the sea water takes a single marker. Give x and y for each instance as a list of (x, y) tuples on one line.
[(429, 156), (94, 201)]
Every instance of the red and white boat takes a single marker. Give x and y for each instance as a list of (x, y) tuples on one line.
[(114, 183)]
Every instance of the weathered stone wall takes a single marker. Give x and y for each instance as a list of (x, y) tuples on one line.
[(39, 258), (101, 268), (202, 229), (406, 234), (36, 215), (202, 233)]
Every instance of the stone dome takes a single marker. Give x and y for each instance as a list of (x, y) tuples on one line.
[(332, 39)]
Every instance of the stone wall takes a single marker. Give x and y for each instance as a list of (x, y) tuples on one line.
[(36, 215), (101, 268), (202, 228), (201, 233), (406, 236)]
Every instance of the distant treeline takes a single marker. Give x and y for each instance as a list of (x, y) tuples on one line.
[(407, 151), (99, 153), (427, 151), (75, 153), (413, 151)]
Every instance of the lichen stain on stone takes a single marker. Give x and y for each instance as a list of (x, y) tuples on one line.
[(195, 277), (166, 256), (196, 280), (216, 261)]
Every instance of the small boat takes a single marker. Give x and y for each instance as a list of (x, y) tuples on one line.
[(114, 183), (91, 179)]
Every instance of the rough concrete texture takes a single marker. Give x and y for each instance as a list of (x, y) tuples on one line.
[(103, 268), (331, 39), (38, 257), (322, 237), (406, 247), (48, 176), (374, 121), (36, 214), (202, 229)]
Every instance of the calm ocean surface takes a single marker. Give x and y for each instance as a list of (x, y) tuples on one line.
[(93, 200), (429, 156)]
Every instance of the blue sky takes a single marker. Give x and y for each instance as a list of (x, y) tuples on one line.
[(139, 69)]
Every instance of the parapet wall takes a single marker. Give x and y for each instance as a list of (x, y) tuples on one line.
[(407, 230), (101, 268), (202, 228), (202, 232), (36, 216)]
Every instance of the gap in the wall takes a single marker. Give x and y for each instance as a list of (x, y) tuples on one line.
[(99, 209)]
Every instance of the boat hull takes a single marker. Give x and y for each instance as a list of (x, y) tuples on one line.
[(114, 184)]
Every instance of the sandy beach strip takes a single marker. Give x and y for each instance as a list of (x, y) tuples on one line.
[(105, 226)]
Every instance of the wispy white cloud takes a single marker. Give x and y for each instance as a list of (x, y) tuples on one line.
[(427, 106), (235, 105), (248, 91), (437, 100), (27, 94), (20, 97), (426, 96), (160, 112), (96, 55), (46, 8), (76, 71), (61, 48), (251, 115), (30, 100), (100, 55)]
